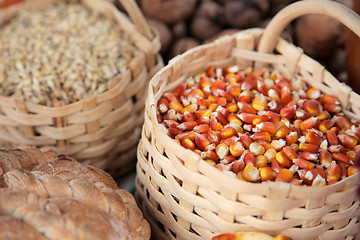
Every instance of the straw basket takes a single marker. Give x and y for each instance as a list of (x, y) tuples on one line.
[(102, 130), (184, 197)]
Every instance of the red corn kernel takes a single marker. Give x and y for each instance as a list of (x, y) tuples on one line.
[(309, 156), (163, 105), (340, 157), (333, 171), (308, 147), (332, 108), (187, 125), (226, 95), (313, 93), (274, 117), (218, 84), (288, 112), (309, 123), (245, 107), (312, 107), (246, 117), (304, 163), (290, 153), (337, 148), (196, 93), (285, 95), (214, 124), (201, 128), (329, 99), (179, 90), (172, 98), (213, 136), (245, 140), (262, 136), (201, 141), (302, 114), (267, 127), (185, 135), (347, 140), (331, 137), (342, 122), (313, 138), (237, 166)]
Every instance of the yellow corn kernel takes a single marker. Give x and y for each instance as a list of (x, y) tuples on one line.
[(270, 154), (250, 173), (259, 103), (261, 161), (284, 175), (256, 148)]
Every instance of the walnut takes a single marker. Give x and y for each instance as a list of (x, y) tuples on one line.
[(169, 11), (245, 14), (206, 21), (319, 35), (164, 33), (179, 30), (183, 44)]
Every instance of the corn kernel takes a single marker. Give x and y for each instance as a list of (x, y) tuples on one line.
[(283, 159), (236, 149), (222, 150), (267, 174), (270, 154), (352, 170), (256, 149), (250, 173), (290, 153), (333, 171), (261, 161), (284, 175), (303, 163), (259, 102)]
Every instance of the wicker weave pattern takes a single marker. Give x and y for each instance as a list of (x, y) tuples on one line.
[(103, 129), (184, 197)]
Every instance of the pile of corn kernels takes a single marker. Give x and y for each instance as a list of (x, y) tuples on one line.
[(260, 126)]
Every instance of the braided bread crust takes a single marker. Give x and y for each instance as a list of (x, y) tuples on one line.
[(59, 198)]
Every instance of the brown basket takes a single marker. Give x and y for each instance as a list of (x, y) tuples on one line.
[(103, 130), (194, 200)]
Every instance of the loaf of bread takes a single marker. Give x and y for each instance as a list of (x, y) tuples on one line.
[(48, 196)]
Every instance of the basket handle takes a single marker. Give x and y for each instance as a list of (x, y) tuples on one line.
[(137, 17), (326, 7)]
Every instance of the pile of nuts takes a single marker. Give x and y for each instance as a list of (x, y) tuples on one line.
[(65, 53), (260, 125)]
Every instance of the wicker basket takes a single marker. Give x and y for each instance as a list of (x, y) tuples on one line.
[(184, 197), (102, 130)]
